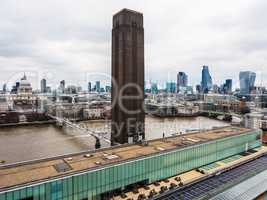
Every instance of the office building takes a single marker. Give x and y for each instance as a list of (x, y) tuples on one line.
[(170, 87), (128, 72), (182, 81), (71, 89), (62, 86), (43, 86), (198, 88), (247, 81), (89, 87), (216, 88), (4, 88), (108, 89), (154, 88), (97, 86), (48, 89), (206, 81), (228, 86), (253, 120)]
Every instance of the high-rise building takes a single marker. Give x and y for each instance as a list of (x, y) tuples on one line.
[(154, 88), (228, 86), (4, 88), (62, 86), (171, 87), (71, 89), (206, 82), (48, 89), (198, 88), (89, 86), (43, 86), (97, 86), (14, 89), (247, 81), (102, 90), (215, 88), (128, 72), (108, 88), (17, 84), (182, 80)]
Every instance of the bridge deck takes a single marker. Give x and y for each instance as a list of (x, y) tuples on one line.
[(38, 171)]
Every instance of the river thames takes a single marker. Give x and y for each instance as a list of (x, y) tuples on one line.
[(40, 141)]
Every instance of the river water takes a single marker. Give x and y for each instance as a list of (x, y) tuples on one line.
[(40, 141)]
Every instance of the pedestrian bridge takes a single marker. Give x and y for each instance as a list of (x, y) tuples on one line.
[(99, 136)]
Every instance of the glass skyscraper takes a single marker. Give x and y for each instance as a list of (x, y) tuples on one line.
[(182, 80), (154, 88), (227, 87), (206, 82), (247, 81), (97, 86), (89, 86), (43, 86), (170, 87)]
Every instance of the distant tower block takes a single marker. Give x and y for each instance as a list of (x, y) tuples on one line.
[(128, 72)]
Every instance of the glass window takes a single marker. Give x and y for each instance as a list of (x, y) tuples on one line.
[(36, 193), (23, 193), (75, 184), (16, 195), (9, 196), (29, 191), (2, 197)]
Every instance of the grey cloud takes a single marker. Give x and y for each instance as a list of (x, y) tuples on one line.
[(74, 37)]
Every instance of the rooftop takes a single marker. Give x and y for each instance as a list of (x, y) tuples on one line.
[(200, 182), (128, 17), (126, 10), (19, 174), (244, 181)]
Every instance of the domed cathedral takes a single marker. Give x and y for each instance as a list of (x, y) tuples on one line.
[(24, 86), (24, 99)]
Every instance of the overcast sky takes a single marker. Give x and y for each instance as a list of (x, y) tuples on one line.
[(71, 39)]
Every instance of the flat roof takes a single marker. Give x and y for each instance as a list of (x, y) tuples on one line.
[(244, 181), (195, 177), (249, 189), (32, 172)]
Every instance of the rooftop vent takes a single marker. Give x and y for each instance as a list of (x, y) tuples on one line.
[(160, 149), (111, 157), (88, 155), (192, 140), (62, 167), (69, 159)]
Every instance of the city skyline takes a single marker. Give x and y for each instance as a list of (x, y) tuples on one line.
[(37, 84), (223, 42)]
